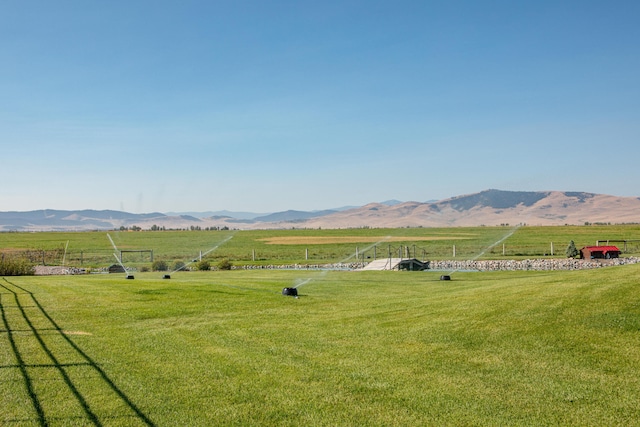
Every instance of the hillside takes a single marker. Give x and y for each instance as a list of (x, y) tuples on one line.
[(490, 207)]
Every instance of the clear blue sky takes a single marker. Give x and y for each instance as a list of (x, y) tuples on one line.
[(266, 106)]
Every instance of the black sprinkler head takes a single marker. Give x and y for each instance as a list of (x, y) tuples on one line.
[(445, 277), (293, 292)]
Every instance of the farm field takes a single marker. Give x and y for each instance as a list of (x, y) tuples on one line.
[(276, 247), (355, 349)]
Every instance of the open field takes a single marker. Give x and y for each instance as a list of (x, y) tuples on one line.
[(261, 247), (357, 348)]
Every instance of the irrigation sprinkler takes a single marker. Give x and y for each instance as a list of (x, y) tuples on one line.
[(168, 276), (502, 239), (293, 292), (128, 276)]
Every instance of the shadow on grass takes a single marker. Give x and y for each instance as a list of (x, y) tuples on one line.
[(13, 310)]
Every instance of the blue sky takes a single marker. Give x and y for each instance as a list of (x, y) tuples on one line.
[(266, 106)]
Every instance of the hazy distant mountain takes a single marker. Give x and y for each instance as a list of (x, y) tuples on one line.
[(225, 213), (293, 216), (490, 207)]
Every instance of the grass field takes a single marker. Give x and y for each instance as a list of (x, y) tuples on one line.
[(355, 349), (263, 247)]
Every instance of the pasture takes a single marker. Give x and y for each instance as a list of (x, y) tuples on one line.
[(355, 349), (295, 246)]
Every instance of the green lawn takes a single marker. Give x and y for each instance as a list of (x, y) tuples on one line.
[(356, 349)]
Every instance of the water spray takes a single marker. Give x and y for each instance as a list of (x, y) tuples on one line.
[(168, 276), (293, 291), (505, 237), (129, 276)]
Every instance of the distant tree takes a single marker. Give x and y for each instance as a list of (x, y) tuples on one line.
[(159, 265), (572, 251)]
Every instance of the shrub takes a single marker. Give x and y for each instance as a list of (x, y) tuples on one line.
[(16, 267), (178, 265), (572, 251), (159, 266), (224, 264), (203, 265)]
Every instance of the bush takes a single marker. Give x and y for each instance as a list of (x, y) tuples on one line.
[(203, 265), (572, 251), (225, 264), (16, 267), (178, 265), (159, 266)]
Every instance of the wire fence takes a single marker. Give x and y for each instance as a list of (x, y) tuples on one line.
[(299, 254)]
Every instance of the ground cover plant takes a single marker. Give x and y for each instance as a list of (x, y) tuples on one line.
[(356, 348)]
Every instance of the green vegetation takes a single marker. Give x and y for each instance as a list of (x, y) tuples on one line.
[(356, 348), (159, 265), (265, 247), (572, 251), (225, 264), (203, 265), (15, 267)]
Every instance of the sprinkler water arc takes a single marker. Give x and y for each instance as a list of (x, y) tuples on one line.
[(202, 254), (128, 276)]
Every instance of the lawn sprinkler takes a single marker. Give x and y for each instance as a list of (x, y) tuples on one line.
[(445, 277), (129, 276), (292, 292), (166, 276)]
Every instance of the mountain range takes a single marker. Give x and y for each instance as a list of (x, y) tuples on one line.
[(489, 207)]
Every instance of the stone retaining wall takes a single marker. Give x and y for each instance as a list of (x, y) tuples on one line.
[(529, 264)]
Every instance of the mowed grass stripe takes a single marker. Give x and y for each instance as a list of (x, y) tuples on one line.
[(361, 348)]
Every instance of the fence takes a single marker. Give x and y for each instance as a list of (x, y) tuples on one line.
[(302, 254)]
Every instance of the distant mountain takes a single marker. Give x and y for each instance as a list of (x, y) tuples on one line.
[(225, 213), (62, 220), (490, 207), (292, 216)]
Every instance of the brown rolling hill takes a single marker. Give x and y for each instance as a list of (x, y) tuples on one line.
[(490, 207)]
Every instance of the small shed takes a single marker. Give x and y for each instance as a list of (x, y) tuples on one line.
[(599, 252)]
